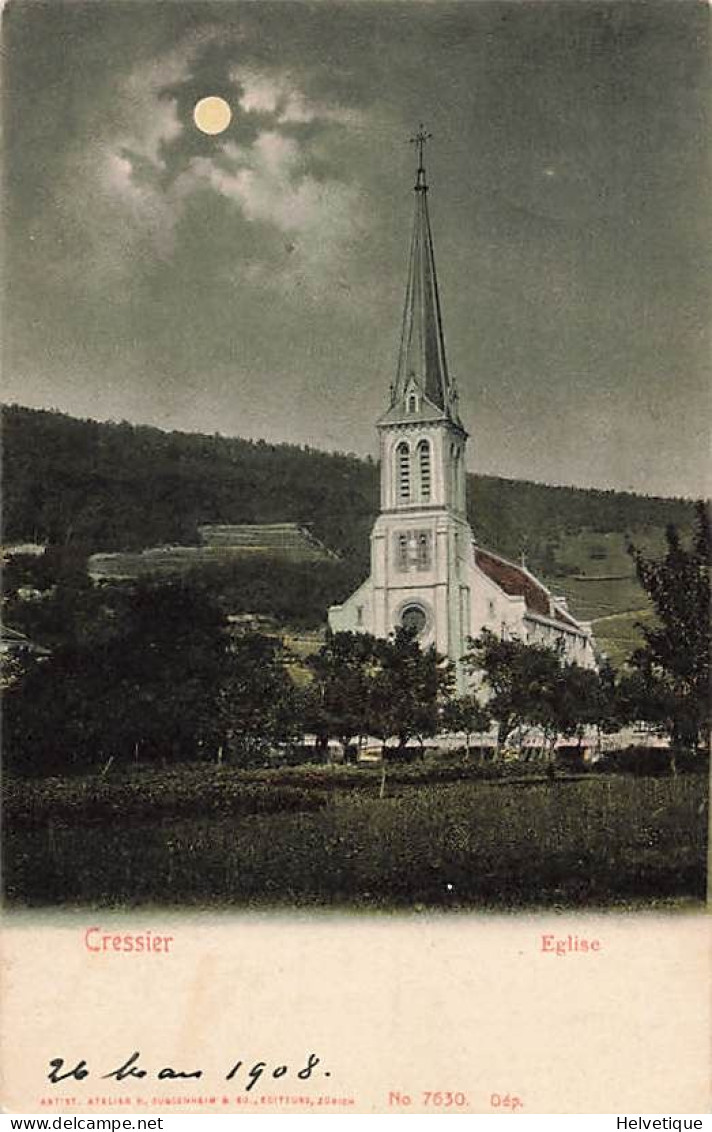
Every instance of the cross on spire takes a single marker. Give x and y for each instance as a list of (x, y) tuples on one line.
[(421, 358), (419, 139)]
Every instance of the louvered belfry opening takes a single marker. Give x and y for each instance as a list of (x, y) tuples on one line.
[(403, 472), (424, 470)]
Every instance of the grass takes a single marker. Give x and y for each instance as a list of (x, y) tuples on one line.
[(592, 598), (596, 553), (598, 578), (588, 842), (619, 634)]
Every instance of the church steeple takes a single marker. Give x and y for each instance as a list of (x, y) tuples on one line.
[(422, 364), (426, 573)]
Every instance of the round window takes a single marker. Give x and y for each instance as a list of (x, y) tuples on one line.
[(413, 617)]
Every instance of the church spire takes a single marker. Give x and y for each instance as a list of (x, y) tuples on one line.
[(422, 350)]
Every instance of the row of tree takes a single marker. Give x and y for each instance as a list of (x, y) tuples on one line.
[(153, 671)]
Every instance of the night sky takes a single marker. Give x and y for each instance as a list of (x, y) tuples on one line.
[(251, 283)]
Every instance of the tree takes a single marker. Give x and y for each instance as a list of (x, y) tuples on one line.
[(532, 686), (50, 597), (140, 680), (522, 680), (255, 704), (466, 714), (670, 685), (337, 702), (585, 698), (164, 667), (408, 693), (643, 697), (604, 711)]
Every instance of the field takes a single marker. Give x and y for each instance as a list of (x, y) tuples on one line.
[(320, 836), (596, 574), (619, 634)]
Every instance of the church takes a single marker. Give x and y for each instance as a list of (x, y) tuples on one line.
[(427, 570)]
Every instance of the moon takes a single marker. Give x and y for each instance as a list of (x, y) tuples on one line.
[(212, 115)]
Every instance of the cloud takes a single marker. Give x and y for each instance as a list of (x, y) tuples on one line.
[(108, 208), (132, 211), (271, 174), (315, 219), (265, 183), (278, 93), (127, 193), (150, 120)]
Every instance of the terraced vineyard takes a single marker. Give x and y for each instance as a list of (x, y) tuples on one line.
[(284, 542)]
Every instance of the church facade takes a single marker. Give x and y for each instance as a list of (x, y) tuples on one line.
[(426, 569)]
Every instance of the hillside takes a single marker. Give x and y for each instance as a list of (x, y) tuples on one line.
[(122, 487), (126, 487)]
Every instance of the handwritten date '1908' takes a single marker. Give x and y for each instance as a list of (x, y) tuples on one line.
[(131, 1069)]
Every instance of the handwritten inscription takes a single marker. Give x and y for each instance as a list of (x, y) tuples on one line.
[(246, 1074), (569, 945)]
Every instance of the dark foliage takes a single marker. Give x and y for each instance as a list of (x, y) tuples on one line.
[(410, 689), (297, 594), (389, 688), (670, 680), (124, 487), (653, 761), (124, 659), (143, 672), (531, 685), (253, 703), (148, 796), (336, 704)]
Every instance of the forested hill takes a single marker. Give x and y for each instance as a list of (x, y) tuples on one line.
[(122, 486)]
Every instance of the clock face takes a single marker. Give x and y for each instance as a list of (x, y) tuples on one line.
[(413, 617)]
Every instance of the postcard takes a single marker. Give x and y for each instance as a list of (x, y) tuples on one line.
[(355, 541)]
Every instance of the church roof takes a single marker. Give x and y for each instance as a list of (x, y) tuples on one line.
[(518, 582), (514, 581), (421, 358), (559, 615)]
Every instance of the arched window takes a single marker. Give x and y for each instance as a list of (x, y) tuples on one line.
[(456, 453), (424, 469), (412, 403), (402, 551), (403, 472), (423, 550), (414, 617)]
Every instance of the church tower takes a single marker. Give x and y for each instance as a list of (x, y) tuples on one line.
[(426, 571), (421, 545)]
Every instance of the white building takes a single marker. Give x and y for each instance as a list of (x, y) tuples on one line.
[(426, 570)]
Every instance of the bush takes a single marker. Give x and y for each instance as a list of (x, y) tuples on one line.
[(571, 759), (693, 762), (590, 843), (153, 795), (640, 761)]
